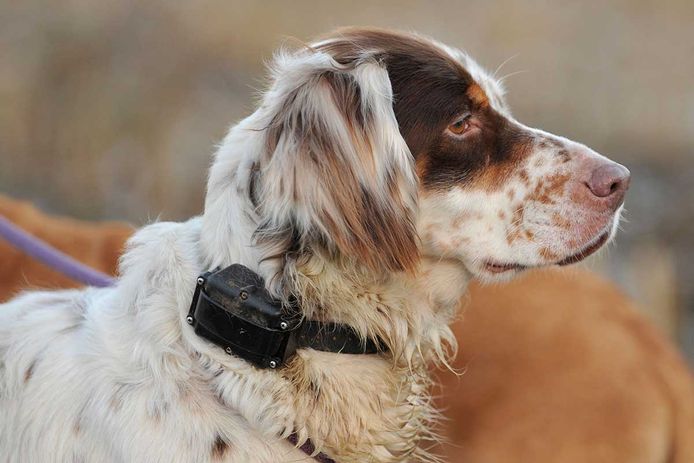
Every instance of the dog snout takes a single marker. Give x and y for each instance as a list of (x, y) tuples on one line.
[(599, 184), (609, 181)]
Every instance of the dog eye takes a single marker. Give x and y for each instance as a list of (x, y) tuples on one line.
[(461, 126)]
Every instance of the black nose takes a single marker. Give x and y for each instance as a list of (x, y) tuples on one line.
[(610, 181)]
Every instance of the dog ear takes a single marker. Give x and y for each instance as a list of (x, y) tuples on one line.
[(337, 173)]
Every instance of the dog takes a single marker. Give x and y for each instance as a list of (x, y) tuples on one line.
[(381, 172), (518, 366), (560, 367)]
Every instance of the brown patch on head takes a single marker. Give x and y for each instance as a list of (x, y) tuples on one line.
[(428, 84), (431, 88), (477, 95), (502, 215), (219, 448)]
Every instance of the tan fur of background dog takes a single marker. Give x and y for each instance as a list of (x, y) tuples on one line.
[(558, 365), (96, 244)]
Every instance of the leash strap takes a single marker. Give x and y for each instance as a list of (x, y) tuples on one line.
[(48, 255)]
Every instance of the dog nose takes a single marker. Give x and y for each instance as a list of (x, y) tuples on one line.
[(610, 181)]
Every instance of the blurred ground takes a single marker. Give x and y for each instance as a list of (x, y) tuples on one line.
[(111, 108)]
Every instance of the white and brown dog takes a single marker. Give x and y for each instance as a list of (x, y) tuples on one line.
[(381, 172)]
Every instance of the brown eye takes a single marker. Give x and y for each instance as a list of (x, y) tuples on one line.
[(460, 126)]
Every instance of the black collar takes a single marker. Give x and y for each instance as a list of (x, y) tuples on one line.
[(232, 308)]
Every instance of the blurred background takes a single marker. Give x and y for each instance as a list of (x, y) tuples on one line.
[(111, 108)]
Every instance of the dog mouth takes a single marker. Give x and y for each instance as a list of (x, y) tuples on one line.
[(589, 249), (493, 267)]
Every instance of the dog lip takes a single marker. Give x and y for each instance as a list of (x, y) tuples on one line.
[(495, 267), (587, 251)]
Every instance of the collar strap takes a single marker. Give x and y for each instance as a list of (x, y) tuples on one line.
[(232, 308)]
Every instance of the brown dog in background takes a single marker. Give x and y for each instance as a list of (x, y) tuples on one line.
[(558, 365), (96, 244)]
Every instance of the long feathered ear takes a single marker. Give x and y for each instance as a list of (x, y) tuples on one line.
[(337, 173)]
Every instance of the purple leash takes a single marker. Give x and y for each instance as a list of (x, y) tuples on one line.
[(51, 257), (62, 263)]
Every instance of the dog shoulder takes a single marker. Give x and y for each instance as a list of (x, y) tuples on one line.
[(161, 253)]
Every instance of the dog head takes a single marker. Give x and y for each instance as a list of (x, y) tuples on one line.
[(378, 146)]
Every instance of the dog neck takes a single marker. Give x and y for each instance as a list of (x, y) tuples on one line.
[(356, 407)]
